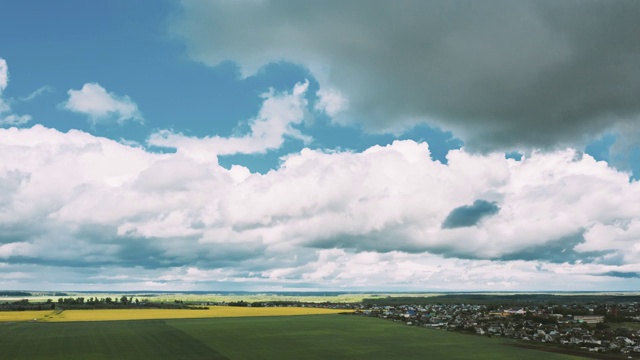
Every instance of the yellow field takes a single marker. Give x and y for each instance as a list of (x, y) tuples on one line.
[(148, 314), (23, 315)]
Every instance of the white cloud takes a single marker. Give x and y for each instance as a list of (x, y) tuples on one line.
[(14, 120), (37, 93), (102, 106), (15, 249), (370, 219), (332, 102), (620, 238), (340, 219), (4, 75), (6, 115), (278, 114)]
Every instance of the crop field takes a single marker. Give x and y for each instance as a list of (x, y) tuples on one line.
[(154, 314), (23, 315), (276, 337)]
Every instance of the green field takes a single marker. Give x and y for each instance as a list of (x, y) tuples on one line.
[(294, 337)]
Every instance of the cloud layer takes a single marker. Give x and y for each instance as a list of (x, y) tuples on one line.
[(500, 74), (323, 219)]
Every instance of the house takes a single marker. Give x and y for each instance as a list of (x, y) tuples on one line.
[(589, 319)]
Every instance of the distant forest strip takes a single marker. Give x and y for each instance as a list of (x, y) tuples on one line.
[(25, 305), (513, 299), (5, 293), (81, 303), (17, 293)]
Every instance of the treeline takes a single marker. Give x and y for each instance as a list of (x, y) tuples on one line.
[(80, 303), (97, 302), (24, 305), (124, 302)]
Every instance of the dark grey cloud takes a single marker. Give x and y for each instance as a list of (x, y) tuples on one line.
[(391, 238), (469, 215), (94, 245), (19, 232), (501, 74), (624, 275), (157, 253), (556, 251)]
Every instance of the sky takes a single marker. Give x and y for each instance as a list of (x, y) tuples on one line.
[(279, 145)]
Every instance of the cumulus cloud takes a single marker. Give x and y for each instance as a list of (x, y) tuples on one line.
[(277, 116), (500, 74), (101, 106), (6, 115), (323, 219)]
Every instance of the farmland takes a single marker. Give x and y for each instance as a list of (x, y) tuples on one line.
[(154, 314), (205, 297), (22, 315), (283, 337)]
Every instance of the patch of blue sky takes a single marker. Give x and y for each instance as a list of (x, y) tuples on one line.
[(599, 149), (634, 160), (515, 155), (629, 160), (353, 138)]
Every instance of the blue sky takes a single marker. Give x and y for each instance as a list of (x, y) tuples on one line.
[(129, 49), (281, 145)]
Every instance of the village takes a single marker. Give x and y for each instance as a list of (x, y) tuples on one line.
[(590, 327)]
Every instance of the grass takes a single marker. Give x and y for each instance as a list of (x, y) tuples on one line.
[(154, 314), (285, 337), (634, 326)]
